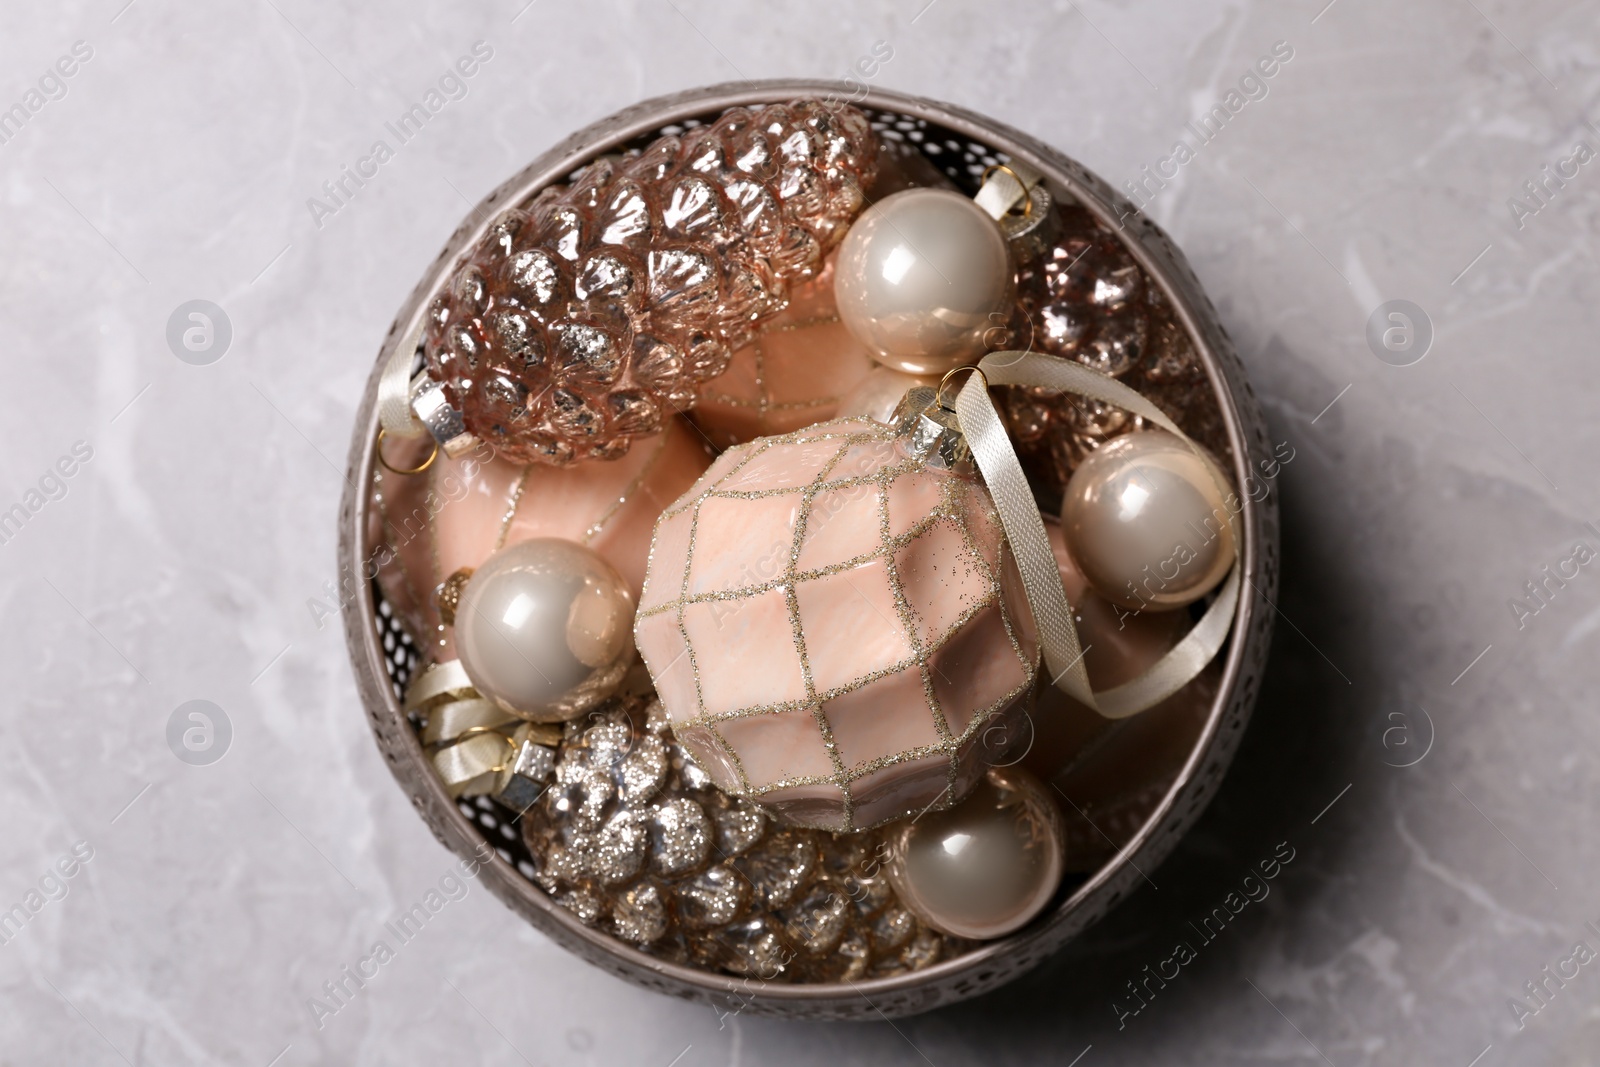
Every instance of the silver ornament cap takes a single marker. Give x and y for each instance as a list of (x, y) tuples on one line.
[(443, 420), (534, 763), (1033, 230), (928, 430)]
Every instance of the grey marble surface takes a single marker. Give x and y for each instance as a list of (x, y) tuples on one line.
[(177, 562)]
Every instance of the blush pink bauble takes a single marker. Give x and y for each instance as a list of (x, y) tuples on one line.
[(459, 511)]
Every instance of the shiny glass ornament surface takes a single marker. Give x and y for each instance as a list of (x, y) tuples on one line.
[(962, 155), (987, 866), (793, 372), (832, 623), (1086, 298), (544, 629), (803, 366), (1119, 645), (587, 316), (1146, 521), (922, 276), (459, 511)]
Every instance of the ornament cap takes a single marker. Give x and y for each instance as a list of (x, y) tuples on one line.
[(929, 431), (443, 419), (1031, 232)]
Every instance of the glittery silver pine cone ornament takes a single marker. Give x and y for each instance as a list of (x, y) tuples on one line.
[(632, 837), (588, 315)]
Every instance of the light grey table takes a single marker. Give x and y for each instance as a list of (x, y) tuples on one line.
[(185, 556)]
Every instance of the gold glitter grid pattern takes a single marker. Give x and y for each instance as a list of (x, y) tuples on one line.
[(959, 502), (763, 402)]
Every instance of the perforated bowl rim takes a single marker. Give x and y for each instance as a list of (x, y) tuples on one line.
[(992, 963)]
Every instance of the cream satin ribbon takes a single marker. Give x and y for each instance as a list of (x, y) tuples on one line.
[(478, 763), (394, 391), (437, 681), (471, 751), (1006, 185), (451, 719), (1041, 575)]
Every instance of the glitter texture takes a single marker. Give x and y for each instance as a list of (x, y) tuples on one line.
[(690, 874), (793, 373), (826, 621)]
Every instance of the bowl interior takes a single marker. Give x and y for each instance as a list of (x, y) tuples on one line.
[(1190, 746)]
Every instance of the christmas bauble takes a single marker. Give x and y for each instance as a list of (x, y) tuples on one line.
[(987, 866), (1119, 645), (923, 275), (543, 629), (584, 320), (1146, 521), (793, 372), (831, 621), (460, 510)]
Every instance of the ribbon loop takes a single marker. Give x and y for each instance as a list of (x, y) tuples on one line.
[(1041, 576)]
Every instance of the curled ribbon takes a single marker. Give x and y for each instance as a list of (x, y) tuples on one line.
[(474, 742), (1005, 185), (1041, 576), (479, 762), (452, 719)]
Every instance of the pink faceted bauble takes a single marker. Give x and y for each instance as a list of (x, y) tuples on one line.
[(834, 627)]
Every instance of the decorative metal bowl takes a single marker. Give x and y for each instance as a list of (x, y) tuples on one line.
[(961, 144)]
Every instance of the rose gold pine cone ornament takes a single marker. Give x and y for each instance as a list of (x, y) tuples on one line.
[(585, 318), (1083, 297)]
